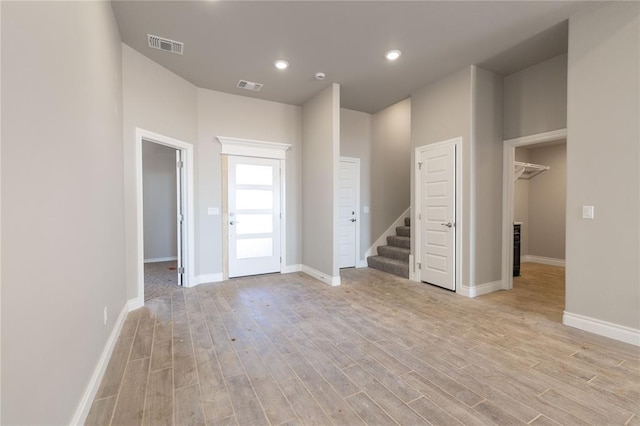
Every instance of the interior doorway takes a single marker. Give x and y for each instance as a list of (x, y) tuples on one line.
[(535, 218), (164, 234), (163, 210)]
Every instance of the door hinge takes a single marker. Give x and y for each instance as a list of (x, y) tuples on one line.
[(419, 166), (419, 265), (181, 218), (280, 259), (181, 270), (180, 164), (419, 216)]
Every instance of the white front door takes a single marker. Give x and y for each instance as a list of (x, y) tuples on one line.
[(347, 212), (438, 213), (254, 216)]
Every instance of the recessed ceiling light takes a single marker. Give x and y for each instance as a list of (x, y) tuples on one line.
[(392, 55), (281, 64)]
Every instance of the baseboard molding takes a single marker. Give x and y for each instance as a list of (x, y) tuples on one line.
[(602, 328), (161, 259), (382, 240), (480, 289), (544, 260), (288, 269), (332, 281), (133, 304), (207, 278), (362, 264), (80, 415)]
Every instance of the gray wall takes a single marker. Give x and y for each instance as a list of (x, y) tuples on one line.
[(157, 100), (222, 114), (320, 155), (547, 203), (521, 203), (603, 163), (390, 166), (159, 201), (441, 111), (63, 202), (355, 141), (535, 99), (486, 192)]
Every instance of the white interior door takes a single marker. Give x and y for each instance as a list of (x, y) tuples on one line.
[(254, 216), (438, 212), (347, 212), (181, 210)]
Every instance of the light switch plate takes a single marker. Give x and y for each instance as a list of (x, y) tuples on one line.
[(587, 212), (365, 209)]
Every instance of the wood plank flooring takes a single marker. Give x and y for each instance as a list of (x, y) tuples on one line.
[(289, 350)]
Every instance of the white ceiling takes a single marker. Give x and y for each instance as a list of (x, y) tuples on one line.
[(226, 41)]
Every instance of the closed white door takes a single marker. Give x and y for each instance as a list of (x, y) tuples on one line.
[(347, 212), (254, 216), (437, 212)]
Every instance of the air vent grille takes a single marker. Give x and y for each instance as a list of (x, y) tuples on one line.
[(165, 44), (249, 85)]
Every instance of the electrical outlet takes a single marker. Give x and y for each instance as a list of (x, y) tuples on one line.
[(105, 315)]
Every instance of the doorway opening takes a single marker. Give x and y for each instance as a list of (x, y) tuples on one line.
[(534, 191), (164, 207)]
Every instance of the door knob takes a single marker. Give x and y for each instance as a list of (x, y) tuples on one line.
[(233, 223), (352, 220), (448, 224)]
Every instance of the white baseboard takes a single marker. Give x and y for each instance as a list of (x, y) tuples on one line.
[(207, 278), (328, 279), (80, 415), (544, 260), (133, 304), (480, 289), (288, 269), (602, 328), (161, 259), (362, 264), (382, 240)]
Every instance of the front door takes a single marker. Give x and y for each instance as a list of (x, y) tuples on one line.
[(437, 216), (254, 216), (347, 212)]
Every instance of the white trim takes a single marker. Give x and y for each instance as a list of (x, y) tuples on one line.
[(161, 259), (356, 161), (208, 278), (391, 230), (544, 260), (479, 290), (136, 303), (325, 278), (460, 225), (253, 148), (189, 249), (288, 269), (602, 328), (80, 415), (362, 263), (508, 190)]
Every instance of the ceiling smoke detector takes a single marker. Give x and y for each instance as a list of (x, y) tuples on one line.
[(165, 44), (249, 85)]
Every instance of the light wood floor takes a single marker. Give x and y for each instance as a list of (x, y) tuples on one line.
[(287, 349)]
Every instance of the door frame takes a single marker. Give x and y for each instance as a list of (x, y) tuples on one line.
[(189, 244), (241, 147), (459, 228), (356, 161), (508, 193)]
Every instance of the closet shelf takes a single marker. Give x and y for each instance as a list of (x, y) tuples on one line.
[(527, 170)]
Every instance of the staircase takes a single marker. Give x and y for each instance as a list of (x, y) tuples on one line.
[(394, 257)]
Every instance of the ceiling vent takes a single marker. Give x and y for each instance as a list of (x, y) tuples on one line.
[(165, 44), (249, 85)]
